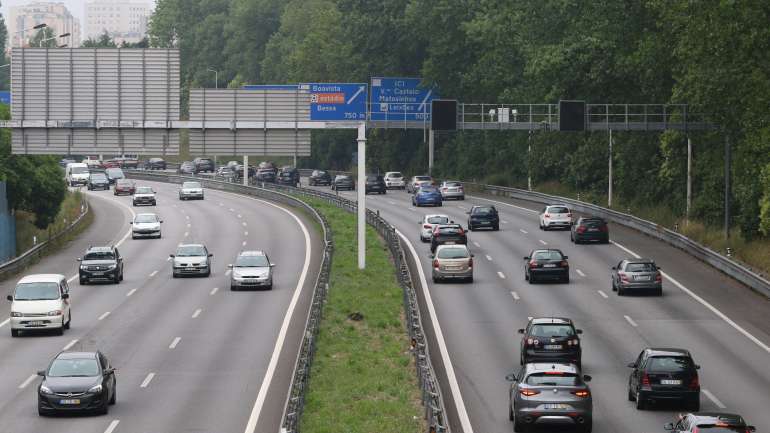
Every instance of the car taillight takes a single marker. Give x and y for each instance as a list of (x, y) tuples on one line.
[(444, 189), (582, 393), (470, 262), (603, 228), (694, 383), (435, 264), (623, 276), (581, 229), (532, 264), (529, 392), (658, 278), (546, 216), (645, 380), (569, 215), (426, 226), (461, 231), (564, 264)]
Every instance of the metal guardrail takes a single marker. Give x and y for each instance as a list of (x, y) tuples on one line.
[(432, 399), (21, 262)]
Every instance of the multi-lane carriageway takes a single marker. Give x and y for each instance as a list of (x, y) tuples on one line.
[(722, 323)]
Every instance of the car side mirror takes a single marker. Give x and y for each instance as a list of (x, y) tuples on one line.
[(751, 428), (41, 373), (565, 257), (130, 222), (526, 257), (79, 259), (473, 255), (697, 367), (614, 268), (511, 378), (432, 256), (579, 331), (211, 254), (587, 378), (669, 426), (9, 297), (272, 265), (659, 268), (109, 371), (230, 266), (171, 255), (161, 220), (631, 365), (520, 331), (65, 295)]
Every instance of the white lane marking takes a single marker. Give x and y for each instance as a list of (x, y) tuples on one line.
[(175, 342), (196, 313), (243, 243), (703, 302), (713, 398), (168, 258), (244, 223), (503, 203), (72, 278), (515, 296), (4, 322), (112, 426), (412, 209), (147, 380), (104, 316), (69, 345), (504, 222), (542, 242), (477, 244), (221, 204), (454, 387), (186, 234), (630, 321), (187, 217), (580, 273), (228, 272), (189, 225), (213, 291), (239, 216), (523, 231), (489, 257), (603, 295), (153, 273), (245, 233), (391, 202), (501, 275), (27, 381), (232, 210), (462, 207), (130, 292)]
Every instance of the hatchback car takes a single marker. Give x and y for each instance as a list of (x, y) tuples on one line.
[(320, 177), (77, 381), (555, 216), (203, 165), (40, 302), (375, 183), (101, 264), (124, 187), (452, 262), (144, 195), (546, 264), (709, 422), (590, 229), (550, 393), (191, 259), (186, 167), (428, 223), (483, 217), (155, 164), (146, 225), (637, 275), (343, 181), (447, 234), (252, 269), (452, 189), (288, 176), (113, 174), (394, 180), (265, 174), (550, 339), (660, 375), (418, 181), (427, 196), (191, 190), (98, 180)]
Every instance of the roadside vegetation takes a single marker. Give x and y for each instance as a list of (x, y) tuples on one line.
[(27, 231)]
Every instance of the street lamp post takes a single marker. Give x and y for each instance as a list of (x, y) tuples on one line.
[(36, 27), (63, 35), (216, 77)]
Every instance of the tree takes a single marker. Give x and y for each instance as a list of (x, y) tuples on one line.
[(103, 41), (4, 72), (43, 38)]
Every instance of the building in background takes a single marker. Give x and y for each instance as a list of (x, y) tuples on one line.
[(55, 15), (124, 21)]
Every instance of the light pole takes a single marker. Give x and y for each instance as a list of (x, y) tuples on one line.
[(216, 76), (36, 27), (63, 35)]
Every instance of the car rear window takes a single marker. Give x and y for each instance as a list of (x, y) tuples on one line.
[(710, 428), (423, 178), (593, 223), (438, 220), (483, 211), (453, 253), (427, 189), (640, 267), (553, 379), (450, 230), (547, 255), (551, 330), (453, 184), (558, 209), (395, 174), (191, 185), (669, 364), (373, 178)]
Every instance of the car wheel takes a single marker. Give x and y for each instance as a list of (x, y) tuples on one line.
[(612, 285), (496, 228), (435, 280), (510, 413), (133, 237), (587, 427), (41, 411), (659, 292), (631, 395), (14, 332), (121, 275), (83, 282), (621, 292), (518, 426), (233, 288), (105, 409), (116, 279), (60, 330), (69, 321), (565, 280), (640, 404), (695, 404), (470, 279), (114, 394), (208, 274), (174, 275), (270, 287)]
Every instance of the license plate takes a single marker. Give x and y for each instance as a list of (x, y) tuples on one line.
[(549, 265), (670, 382), (97, 274), (557, 406), (552, 346), (70, 401), (642, 278), (484, 223), (454, 268), (593, 230), (449, 243), (36, 323)]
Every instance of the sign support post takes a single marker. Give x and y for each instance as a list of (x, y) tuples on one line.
[(431, 138), (361, 195), (245, 169), (609, 186)]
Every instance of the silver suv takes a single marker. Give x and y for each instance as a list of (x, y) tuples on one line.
[(191, 259), (252, 269)]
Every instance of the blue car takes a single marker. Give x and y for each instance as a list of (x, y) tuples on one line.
[(427, 195)]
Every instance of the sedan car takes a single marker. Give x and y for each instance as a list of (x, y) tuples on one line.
[(77, 381), (191, 190), (709, 422), (98, 180), (637, 275), (428, 223), (343, 181), (660, 375), (266, 174), (590, 229), (546, 264), (483, 217), (427, 195), (113, 174), (550, 393), (555, 216), (418, 181), (252, 269), (452, 189), (144, 195), (375, 183), (186, 167), (394, 180), (320, 177), (449, 234), (124, 187), (101, 264), (452, 262), (191, 259), (146, 225), (550, 339)]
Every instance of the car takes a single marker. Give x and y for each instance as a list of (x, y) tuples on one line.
[(555, 216), (76, 173), (343, 181), (550, 339), (394, 180), (452, 189), (191, 259), (709, 422), (267, 165), (320, 177), (265, 175), (129, 161), (155, 164), (590, 229), (664, 374), (203, 165), (375, 183), (231, 164), (417, 181), (483, 217), (429, 222), (77, 381), (452, 262), (40, 302), (637, 275), (112, 163), (190, 190), (98, 180), (427, 195), (124, 186), (101, 264), (144, 195), (252, 269), (146, 225), (546, 264), (67, 160), (550, 393), (186, 167), (449, 234), (93, 163), (238, 171), (225, 172), (288, 176), (113, 174)]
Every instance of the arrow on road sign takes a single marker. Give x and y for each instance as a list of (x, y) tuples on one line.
[(361, 89)]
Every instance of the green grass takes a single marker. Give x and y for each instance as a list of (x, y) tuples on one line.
[(26, 229), (363, 376)]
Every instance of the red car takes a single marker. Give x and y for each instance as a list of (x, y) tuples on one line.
[(112, 163), (124, 186)]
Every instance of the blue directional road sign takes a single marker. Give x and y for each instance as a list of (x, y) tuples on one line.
[(5, 97), (336, 101), (401, 99)]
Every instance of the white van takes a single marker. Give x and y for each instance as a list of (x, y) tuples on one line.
[(40, 302), (76, 173)]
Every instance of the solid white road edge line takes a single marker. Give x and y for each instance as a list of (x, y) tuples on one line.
[(630, 321), (104, 316), (154, 273), (4, 322), (603, 295), (147, 380), (580, 272), (27, 381), (515, 296), (462, 413), (523, 231), (112, 426), (174, 343), (713, 398), (69, 345)]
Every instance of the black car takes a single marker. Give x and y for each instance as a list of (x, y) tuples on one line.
[(483, 217), (288, 176), (375, 183), (98, 180), (320, 177), (546, 264), (155, 164), (710, 422), (447, 234), (238, 171), (661, 375), (77, 381), (204, 165), (343, 181), (113, 174), (265, 175), (590, 229), (186, 167), (101, 264), (550, 339)]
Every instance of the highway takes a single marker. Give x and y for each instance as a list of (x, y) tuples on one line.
[(722, 323), (190, 354)]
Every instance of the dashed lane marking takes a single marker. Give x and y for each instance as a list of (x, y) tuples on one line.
[(603, 295), (69, 345), (104, 316), (489, 257), (147, 380), (580, 273), (630, 321), (476, 244), (542, 242), (196, 313), (523, 231), (174, 343), (501, 275), (113, 425), (130, 292), (27, 381), (213, 291), (713, 398), (515, 296)]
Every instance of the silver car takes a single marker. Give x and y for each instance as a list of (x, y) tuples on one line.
[(550, 393), (452, 189), (191, 190), (394, 179), (452, 261), (417, 182), (191, 259), (146, 225), (637, 275), (428, 223), (252, 269)]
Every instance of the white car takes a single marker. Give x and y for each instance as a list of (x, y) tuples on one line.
[(555, 216), (146, 225), (452, 189), (428, 223), (417, 182), (191, 259), (191, 190), (252, 269), (144, 195), (394, 179), (40, 302)]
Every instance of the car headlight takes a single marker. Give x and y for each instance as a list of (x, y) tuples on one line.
[(95, 389), (83, 267), (16, 314), (54, 313), (112, 266), (45, 390)]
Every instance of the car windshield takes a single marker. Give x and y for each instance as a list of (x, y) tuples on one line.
[(423, 178), (551, 330), (452, 184), (483, 211), (191, 251), (37, 291), (146, 218), (558, 209), (319, 173), (99, 255), (85, 367), (191, 185), (372, 178), (547, 255), (343, 178), (640, 267), (98, 176), (449, 230), (553, 379), (144, 190), (123, 182), (79, 170), (438, 220), (251, 261), (669, 364), (395, 174), (453, 253)]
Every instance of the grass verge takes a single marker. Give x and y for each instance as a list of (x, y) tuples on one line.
[(26, 231), (362, 378)]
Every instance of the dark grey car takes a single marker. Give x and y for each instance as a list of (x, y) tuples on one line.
[(637, 275)]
